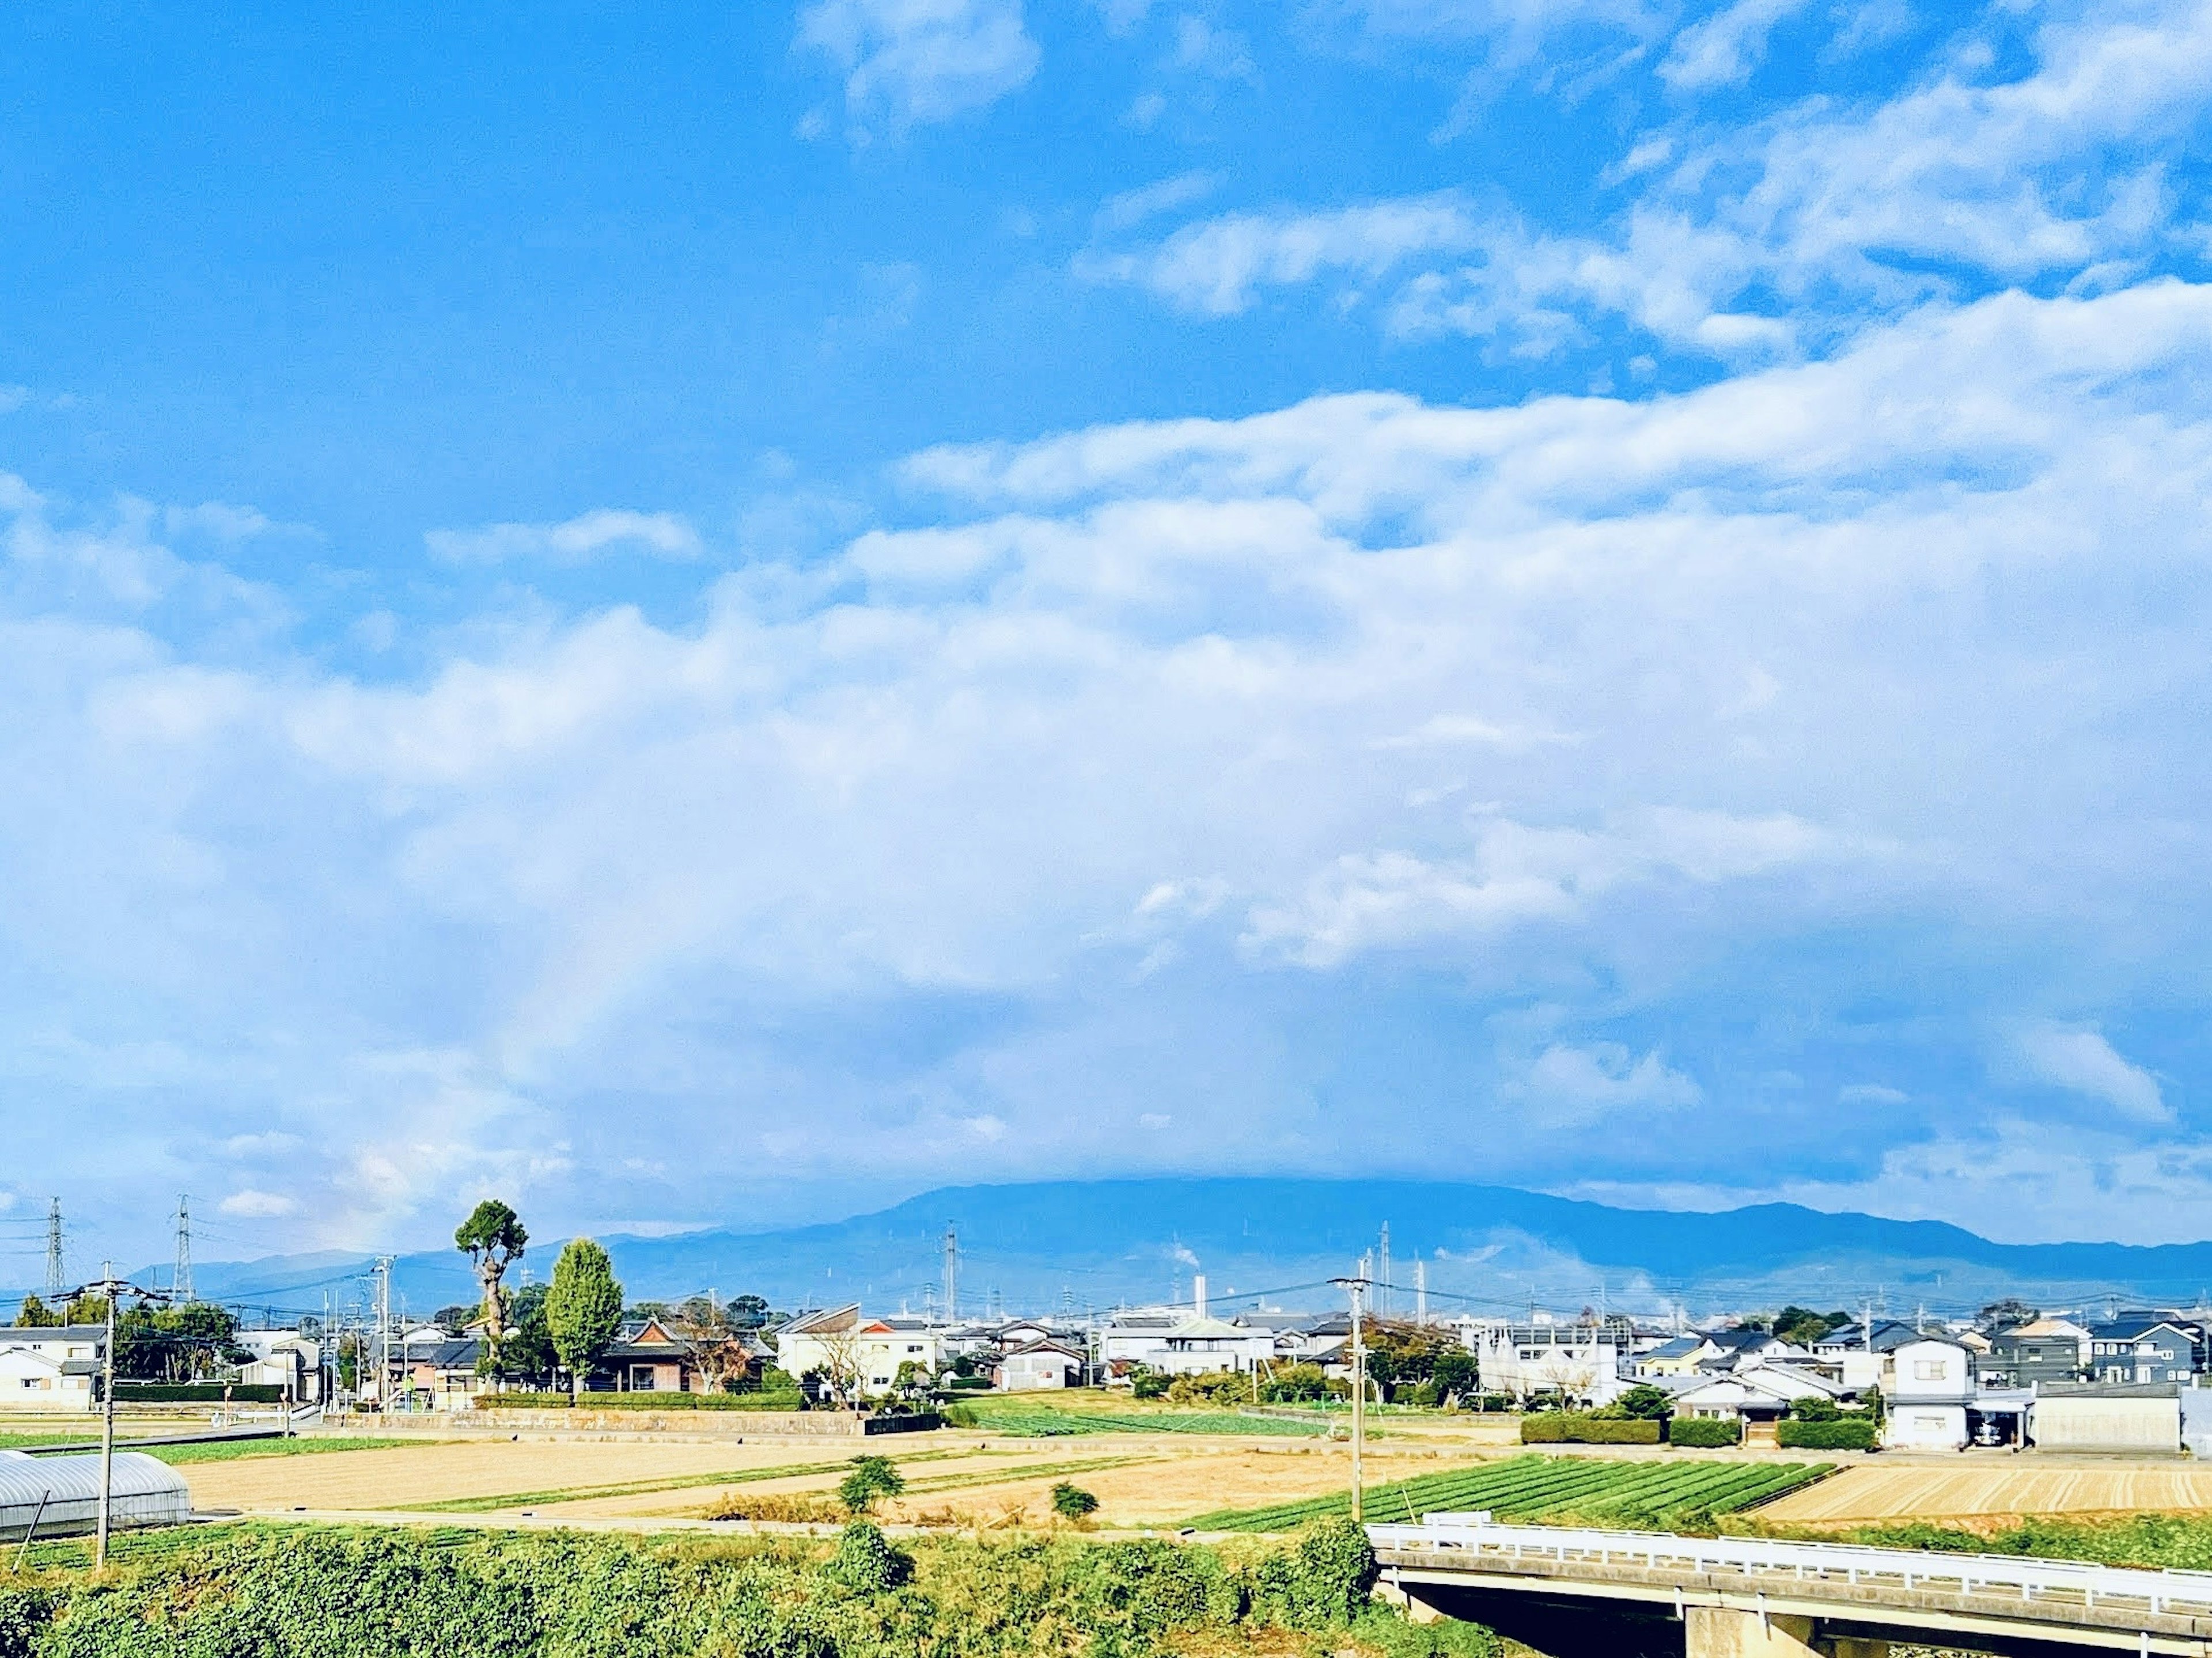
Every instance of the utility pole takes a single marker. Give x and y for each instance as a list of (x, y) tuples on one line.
[(1383, 1287), (54, 1253), (1420, 1292), (1357, 1288), (952, 1275), (181, 1286), (382, 1270), (113, 1289)]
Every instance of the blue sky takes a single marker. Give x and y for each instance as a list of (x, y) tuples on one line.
[(724, 614)]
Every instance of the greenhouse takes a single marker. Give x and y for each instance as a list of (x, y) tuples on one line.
[(144, 1492)]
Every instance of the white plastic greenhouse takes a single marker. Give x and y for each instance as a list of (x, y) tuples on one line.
[(143, 1492)]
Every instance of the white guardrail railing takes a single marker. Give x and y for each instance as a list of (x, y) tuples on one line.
[(1757, 1558)]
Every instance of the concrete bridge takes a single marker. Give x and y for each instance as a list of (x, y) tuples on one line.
[(1644, 1594)]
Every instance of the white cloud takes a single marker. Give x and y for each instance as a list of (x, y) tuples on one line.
[(1872, 1094), (571, 542), (1723, 49), (1568, 1086), (1775, 237), (908, 63), (249, 1205), (1519, 874), (2083, 1062), (1219, 267), (1139, 684)]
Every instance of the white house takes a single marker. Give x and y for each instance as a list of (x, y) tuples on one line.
[(1198, 1346), (851, 1350), (1762, 1392), (1580, 1360), (1136, 1332), (31, 1380), (1929, 1387), (284, 1358), (1038, 1364)]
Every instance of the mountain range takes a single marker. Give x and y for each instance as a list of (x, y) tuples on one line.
[(1277, 1242)]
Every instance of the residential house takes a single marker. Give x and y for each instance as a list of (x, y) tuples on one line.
[(1676, 1356), (842, 1344), (2037, 1353), (1130, 1334), (34, 1379), (1040, 1363), (443, 1377), (2141, 1348), (1198, 1346), (1858, 1354), (285, 1359), (1579, 1361), (647, 1358), (1742, 1348), (1930, 1389), (1757, 1393)]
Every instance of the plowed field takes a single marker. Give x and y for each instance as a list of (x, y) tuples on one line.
[(1864, 1494)]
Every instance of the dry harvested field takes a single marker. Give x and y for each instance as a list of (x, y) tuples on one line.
[(1864, 1494), (966, 1478)]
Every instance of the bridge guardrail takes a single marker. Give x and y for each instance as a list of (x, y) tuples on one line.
[(2162, 1590)]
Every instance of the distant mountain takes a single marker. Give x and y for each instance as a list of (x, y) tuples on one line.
[(1484, 1248)]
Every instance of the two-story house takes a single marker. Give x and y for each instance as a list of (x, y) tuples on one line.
[(2141, 1348), (1929, 1389)]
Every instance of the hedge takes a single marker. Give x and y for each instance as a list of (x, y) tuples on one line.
[(197, 1393), (642, 1402), (1705, 1431), (1562, 1428), (1842, 1433)]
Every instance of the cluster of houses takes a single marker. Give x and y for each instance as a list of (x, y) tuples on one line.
[(51, 1369), (2125, 1382)]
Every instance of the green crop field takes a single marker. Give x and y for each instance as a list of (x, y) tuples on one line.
[(1640, 1495)]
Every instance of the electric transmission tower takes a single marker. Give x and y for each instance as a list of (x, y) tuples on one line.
[(55, 1281), (182, 1289)]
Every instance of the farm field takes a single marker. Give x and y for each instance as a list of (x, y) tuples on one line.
[(1865, 1495), (1641, 1495), (1145, 1479)]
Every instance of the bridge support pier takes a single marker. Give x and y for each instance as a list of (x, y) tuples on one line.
[(1725, 1632)]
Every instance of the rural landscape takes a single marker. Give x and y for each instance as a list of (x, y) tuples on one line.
[(1106, 828)]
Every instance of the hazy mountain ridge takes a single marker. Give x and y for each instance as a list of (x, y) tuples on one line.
[(1485, 1249)]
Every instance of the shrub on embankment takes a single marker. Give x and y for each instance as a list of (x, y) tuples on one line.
[(1565, 1428), (249, 1590)]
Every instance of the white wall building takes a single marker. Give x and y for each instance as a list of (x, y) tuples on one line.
[(1929, 1389), (1580, 1360), (842, 1344), (1040, 1364), (32, 1380)]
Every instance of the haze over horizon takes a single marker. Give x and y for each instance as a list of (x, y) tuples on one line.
[(726, 616)]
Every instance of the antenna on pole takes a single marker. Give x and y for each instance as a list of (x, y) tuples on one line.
[(182, 1288), (55, 1281)]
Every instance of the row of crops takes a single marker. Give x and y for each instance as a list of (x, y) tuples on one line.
[(1639, 1496)]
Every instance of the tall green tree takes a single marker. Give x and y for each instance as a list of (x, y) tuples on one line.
[(493, 1238), (36, 1314), (583, 1309)]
